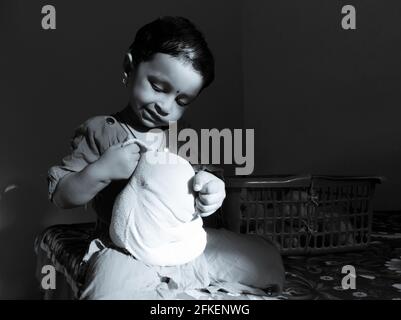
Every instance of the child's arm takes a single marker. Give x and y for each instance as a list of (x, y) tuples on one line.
[(99, 154), (78, 188)]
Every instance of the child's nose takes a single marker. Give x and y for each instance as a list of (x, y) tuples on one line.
[(165, 106)]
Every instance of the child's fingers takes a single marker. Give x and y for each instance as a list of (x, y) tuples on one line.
[(132, 148), (209, 199), (128, 142), (135, 142), (213, 186), (204, 210), (201, 179), (135, 156)]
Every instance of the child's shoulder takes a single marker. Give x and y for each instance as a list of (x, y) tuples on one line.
[(102, 130), (101, 123)]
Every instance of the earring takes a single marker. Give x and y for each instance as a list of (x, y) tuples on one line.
[(125, 79)]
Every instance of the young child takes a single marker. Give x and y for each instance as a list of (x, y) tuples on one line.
[(165, 69)]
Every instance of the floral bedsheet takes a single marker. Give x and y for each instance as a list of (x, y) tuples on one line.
[(377, 269)]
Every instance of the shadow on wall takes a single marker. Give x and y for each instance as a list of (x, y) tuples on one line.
[(23, 209), (18, 225)]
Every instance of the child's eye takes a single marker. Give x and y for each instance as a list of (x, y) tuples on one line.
[(156, 87), (182, 104)]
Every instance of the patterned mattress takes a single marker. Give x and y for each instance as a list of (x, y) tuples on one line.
[(377, 269)]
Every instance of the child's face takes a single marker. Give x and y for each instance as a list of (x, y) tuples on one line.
[(162, 88)]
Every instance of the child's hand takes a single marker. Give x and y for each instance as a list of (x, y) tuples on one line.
[(211, 193), (120, 160)]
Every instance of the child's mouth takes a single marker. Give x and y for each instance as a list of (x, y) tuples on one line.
[(151, 116)]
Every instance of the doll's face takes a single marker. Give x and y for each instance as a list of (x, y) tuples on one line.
[(162, 88)]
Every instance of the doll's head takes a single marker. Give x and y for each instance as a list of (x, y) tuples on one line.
[(166, 67)]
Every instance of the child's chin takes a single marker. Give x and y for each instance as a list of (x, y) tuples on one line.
[(149, 124)]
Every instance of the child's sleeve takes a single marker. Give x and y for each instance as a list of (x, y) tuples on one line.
[(90, 140)]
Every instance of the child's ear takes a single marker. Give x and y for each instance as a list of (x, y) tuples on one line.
[(128, 63), (127, 67), (129, 56)]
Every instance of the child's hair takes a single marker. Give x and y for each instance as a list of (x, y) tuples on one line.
[(175, 36)]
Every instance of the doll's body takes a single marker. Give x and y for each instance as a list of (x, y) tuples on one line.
[(154, 217)]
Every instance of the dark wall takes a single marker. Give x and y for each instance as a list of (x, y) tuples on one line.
[(323, 99), (51, 81)]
